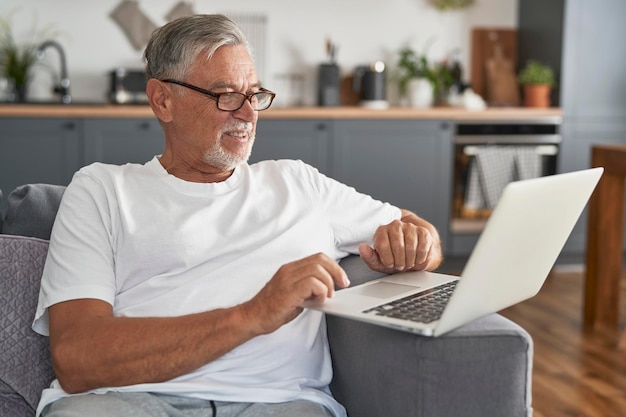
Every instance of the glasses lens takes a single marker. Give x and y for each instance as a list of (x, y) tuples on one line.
[(233, 101), (230, 101), (262, 100)]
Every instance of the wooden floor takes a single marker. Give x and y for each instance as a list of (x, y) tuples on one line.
[(574, 374)]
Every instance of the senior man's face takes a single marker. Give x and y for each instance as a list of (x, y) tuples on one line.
[(219, 139)]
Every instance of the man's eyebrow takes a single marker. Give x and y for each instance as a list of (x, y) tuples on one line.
[(217, 85)]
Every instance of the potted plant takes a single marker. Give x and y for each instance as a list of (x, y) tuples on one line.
[(445, 5), (537, 80), (415, 78), (421, 82), (17, 59)]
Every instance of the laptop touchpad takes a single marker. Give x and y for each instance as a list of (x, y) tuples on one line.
[(382, 289)]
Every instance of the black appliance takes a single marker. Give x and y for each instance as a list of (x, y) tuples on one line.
[(370, 83), (128, 86), (328, 85)]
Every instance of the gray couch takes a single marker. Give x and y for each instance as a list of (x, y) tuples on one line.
[(480, 370)]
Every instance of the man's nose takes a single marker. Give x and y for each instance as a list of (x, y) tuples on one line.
[(246, 112)]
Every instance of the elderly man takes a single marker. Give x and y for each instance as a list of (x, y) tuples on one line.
[(175, 288)]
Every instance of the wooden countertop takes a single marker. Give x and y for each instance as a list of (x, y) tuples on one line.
[(443, 113), (344, 112)]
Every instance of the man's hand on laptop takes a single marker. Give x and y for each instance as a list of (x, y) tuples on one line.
[(311, 279), (408, 244)]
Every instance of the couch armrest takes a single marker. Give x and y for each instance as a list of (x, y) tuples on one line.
[(478, 370), (25, 363)]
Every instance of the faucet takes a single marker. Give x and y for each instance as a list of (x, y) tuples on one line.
[(64, 85)]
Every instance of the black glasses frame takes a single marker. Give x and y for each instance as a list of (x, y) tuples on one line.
[(216, 96)]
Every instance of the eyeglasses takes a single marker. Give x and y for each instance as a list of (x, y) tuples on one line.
[(233, 101)]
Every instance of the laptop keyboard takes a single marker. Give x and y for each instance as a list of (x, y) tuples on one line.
[(423, 307)]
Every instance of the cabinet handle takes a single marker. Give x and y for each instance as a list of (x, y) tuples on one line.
[(445, 126), (144, 126), (69, 125), (321, 127)]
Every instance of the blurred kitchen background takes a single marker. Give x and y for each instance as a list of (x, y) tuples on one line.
[(289, 37)]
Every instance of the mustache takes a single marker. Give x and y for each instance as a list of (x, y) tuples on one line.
[(245, 126)]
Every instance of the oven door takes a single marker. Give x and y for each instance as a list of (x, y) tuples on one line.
[(487, 156)]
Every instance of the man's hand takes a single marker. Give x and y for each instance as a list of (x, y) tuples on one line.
[(281, 300), (410, 243)]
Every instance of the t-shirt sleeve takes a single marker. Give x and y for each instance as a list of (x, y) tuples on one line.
[(353, 216), (80, 256)]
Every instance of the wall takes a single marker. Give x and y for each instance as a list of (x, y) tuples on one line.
[(365, 31)]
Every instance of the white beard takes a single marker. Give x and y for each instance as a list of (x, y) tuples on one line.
[(219, 158)]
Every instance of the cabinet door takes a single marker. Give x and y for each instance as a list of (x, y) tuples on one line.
[(36, 150), (594, 90), (405, 162), (593, 66), (307, 140), (575, 154), (119, 141)]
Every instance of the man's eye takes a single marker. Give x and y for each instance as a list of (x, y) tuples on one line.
[(230, 96)]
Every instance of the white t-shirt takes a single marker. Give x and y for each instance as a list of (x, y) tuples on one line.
[(151, 244)]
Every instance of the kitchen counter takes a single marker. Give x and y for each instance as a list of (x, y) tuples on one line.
[(77, 110), (443, 113), (344, 112)]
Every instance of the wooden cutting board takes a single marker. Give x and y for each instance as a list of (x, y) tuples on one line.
[(500, 88)]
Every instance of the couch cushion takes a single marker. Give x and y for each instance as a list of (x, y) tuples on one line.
[(12, 404), (32, 209), (25, 366)]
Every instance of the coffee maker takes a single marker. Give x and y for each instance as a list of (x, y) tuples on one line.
[(328, 85), (328, 78), (370, 83)]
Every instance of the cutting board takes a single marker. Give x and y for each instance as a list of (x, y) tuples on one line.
[(500, 87)]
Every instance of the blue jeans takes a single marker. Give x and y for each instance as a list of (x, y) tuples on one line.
[(118, 404)]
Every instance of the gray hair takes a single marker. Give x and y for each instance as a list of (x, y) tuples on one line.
[(173, 47)]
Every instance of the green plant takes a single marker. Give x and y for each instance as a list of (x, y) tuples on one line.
[(445, 5), (412, 65), (536, 73), (17, 59)]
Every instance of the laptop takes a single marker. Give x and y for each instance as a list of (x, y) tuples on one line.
[(510, 262)]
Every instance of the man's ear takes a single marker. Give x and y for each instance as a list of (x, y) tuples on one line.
[(159, 97)]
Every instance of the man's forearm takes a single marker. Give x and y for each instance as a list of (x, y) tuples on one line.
[(116, 351)]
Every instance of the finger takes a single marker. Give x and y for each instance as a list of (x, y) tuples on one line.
[(314, 289), (411, 243), (371, 258), (382, 245), (335, 271), (398, 247), (325, 269), (368, 254), (423, 246)]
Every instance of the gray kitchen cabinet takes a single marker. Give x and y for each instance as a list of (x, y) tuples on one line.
[(119, 141), (306, 139), (576, 37), (38, 150), (405, 162)]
